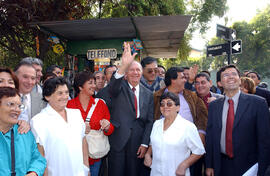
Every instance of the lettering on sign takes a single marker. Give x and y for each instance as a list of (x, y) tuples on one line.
[(101, 53)]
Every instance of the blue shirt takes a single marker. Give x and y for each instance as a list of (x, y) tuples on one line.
[(27, 156)]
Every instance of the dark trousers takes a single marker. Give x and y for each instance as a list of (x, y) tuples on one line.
[(198, 168), (125, 162), (103, 171), (227, 166)]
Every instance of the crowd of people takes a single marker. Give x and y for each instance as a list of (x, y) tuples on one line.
[(157, 122)]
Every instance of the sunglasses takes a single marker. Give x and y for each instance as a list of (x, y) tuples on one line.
[(169, 104), (151, 70)]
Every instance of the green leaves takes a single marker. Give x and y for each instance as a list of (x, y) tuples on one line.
[(255, 36)]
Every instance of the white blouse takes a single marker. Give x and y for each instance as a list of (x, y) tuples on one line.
[(61, 140), (174, 145)]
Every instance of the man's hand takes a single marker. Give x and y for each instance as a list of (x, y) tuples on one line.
[(210, 99), (24, 127), (147, 160), (141, 151), (192, 73), (127, 59), (209, 171)]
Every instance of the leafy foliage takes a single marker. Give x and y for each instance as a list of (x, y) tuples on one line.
[(17, 38), (255, 37)]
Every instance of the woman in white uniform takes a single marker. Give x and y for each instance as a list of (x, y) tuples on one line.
[(59, 132), (174, 142)]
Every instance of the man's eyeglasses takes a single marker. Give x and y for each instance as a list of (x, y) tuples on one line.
[(169, 104), (12, 105), (151, 70)]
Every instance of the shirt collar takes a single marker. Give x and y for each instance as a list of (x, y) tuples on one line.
[(136, 87), (181, 93), (235, 98)]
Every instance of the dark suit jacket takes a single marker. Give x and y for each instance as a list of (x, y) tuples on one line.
[(251, 134), (263, 93), (104, 94), (123, 115)]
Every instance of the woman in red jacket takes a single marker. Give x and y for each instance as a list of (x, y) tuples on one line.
[(84, 85)]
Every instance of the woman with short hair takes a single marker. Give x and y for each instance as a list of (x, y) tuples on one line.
[(247, 85), (175, 143), (60, 132), (9, 79), (85, 85), (19, 152)]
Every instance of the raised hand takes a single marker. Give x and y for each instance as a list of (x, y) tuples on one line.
[(127, 58), (192, 73)]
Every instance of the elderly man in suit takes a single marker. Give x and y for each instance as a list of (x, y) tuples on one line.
[(238, 130), (32, 100), (132, 116)]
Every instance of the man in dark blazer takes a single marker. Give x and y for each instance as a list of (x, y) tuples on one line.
[(132, 117), (259, 91), (238, 130)]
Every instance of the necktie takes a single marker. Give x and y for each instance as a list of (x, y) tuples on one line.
[(135, 100), (229, 129), (23, 99)]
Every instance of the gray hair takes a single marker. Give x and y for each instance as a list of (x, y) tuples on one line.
[(32, 60)]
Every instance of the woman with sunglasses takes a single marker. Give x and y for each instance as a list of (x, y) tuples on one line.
[(172, 140)]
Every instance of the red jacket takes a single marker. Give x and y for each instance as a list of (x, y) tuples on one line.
[(101, 112)]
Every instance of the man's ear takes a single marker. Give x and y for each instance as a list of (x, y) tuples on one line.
[(47, 98), (219, 84), (211, 83)]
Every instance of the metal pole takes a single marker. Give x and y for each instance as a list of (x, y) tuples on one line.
[(230, 52)]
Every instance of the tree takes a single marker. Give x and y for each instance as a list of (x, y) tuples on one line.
[(17, 37), (255, 36)]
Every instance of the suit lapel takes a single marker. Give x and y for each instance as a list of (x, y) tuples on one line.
[(141, 94), (130, 95), (219, 111), (241, 107)]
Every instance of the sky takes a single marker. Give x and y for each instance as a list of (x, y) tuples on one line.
[(239, 10)]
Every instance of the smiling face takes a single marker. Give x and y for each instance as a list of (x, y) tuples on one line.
[(202, 86), (230, 80), (88, 88), (134, 73), (179, 82), (161, 72), (27, 78), (9, 110), (168, 108), (6, 80), (58, 100)]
